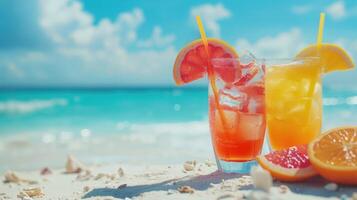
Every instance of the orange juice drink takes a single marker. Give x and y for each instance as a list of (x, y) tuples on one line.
[(293, 101)]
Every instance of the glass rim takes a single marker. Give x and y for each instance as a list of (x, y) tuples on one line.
[(270, 59)]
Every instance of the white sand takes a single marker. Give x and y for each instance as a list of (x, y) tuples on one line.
[(159, 182)]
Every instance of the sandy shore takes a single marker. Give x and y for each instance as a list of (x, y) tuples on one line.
[(193, 181)]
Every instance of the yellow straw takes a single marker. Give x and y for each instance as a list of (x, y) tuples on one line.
[(319, 44), (321, 29), (210, 72)]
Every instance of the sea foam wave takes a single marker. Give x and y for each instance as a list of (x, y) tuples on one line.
[(333, 101), (175, 132), (128, 142), (21, 107)]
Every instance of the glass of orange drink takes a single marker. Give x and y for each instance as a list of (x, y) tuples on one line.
[(238, 138), (293, 101)]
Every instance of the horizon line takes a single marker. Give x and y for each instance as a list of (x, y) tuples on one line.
[(97, 87), (114, 87)]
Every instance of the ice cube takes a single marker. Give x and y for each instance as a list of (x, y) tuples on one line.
[(247, 66), (252, 70), (247, 76), (251, 126), (256, 104), (297, 108), (247, 57), (231, 118), (252, 105), (227, 70), (230, 96)]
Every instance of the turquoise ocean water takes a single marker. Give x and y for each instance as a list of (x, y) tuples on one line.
[(41, 126), (100, 110)]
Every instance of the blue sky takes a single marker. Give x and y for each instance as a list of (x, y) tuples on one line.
[(134, 43)]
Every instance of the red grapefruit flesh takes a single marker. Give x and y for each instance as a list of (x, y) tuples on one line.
[(191, 62), (290, 164)]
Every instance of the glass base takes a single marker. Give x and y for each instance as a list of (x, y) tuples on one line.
[(236, 167)]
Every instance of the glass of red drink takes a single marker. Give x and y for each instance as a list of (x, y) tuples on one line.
[(237, 112)]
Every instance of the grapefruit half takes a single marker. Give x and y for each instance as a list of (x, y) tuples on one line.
[(290, 164), (192, 61)]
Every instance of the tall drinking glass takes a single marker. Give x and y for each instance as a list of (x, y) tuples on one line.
[(238, 138), (294, 102)]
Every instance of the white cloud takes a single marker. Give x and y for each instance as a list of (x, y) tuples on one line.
[(14, 70), (337, 10), (68, 24), (157, 39), (130, 22), (34, 56), (301, 9), (351, 45), (85, 52), (210, 15), (60, 18), (283, 45)]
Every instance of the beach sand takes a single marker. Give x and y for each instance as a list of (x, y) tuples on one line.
[(124, 181)]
